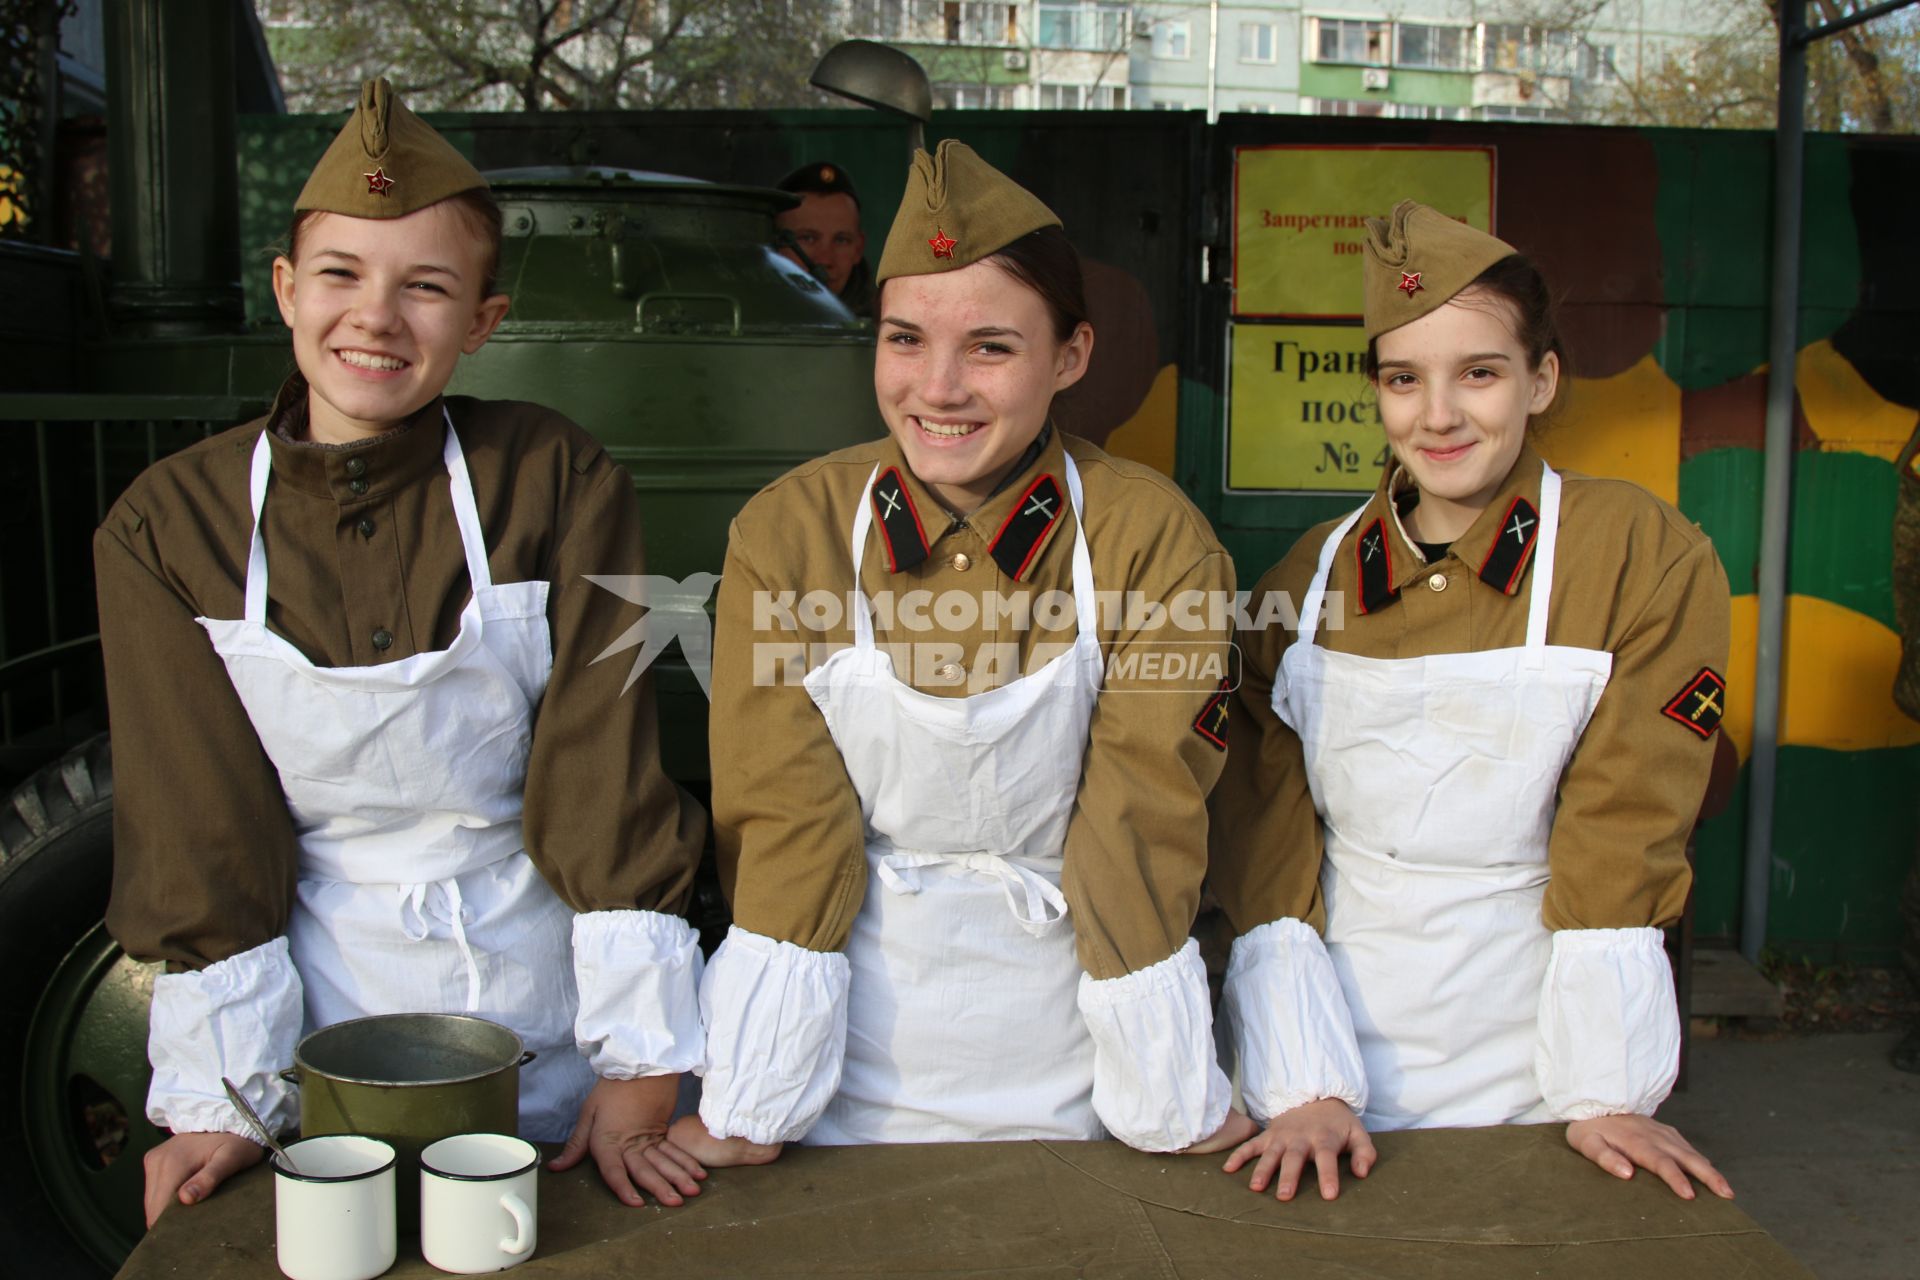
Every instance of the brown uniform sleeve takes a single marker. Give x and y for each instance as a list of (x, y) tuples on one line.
[(605, 825), (1632, 791), (786, 819), (1136, 848), (204, 858), (1264, 840)]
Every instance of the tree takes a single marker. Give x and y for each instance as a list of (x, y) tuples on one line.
[(1866, 78), (534, 55)]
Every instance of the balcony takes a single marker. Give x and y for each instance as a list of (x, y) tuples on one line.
[(958, 22)]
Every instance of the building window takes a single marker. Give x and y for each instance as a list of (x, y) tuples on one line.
[(974, 97), (1171, 39), (971, 22), (1083, 97), (1530, 114), (1349, 40), (1256, 42), (1427, 111), (1597, 64), (1102, 27), (1416, 44), (1166, 104), (1348, 107), (1508, 46)]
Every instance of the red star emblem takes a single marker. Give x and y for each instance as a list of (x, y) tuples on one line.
[(942, 244), (1410, 283), (378, 183)]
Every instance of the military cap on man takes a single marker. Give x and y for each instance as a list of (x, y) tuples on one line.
[(1416, 259), (957, 210), (820, 180), (386, 163)]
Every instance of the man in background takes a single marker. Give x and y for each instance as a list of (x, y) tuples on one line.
[(823, 233)]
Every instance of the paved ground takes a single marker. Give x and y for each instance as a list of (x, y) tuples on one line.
[(1820, 1137)]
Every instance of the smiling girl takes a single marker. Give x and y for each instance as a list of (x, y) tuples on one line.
[(963, 857), (1479, 788), (363, 762)]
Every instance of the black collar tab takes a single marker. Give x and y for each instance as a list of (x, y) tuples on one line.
[(1374, 557), (1034, 513), (899, 519), (1507, 557)]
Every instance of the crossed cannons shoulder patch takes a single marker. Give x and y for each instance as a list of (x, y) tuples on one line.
[(1700, 705)]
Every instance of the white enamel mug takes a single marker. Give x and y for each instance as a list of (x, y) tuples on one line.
[(479, 1200), (334, 1219)]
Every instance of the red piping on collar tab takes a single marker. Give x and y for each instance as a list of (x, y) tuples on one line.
[(886, 532), (1040, 535)]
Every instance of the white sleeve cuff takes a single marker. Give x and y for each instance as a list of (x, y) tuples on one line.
[(1609, 1025), (239, 1018), (639, 979), (1156, 1084), (1290, 1022), (776, 1019)]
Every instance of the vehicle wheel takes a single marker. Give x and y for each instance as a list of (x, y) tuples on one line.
[(73, 1023)]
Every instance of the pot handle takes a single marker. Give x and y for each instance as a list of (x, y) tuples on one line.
[(290, 1074), (527, 1057)]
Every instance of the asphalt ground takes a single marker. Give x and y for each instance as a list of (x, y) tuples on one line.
[(1820, 1136)]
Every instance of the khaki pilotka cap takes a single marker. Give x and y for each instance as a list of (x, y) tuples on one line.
[(386, 163), (957, 209), (1416, 259)]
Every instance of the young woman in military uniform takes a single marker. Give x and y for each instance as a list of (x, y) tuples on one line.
[(1479, 789), (962, 868), (363, 762)]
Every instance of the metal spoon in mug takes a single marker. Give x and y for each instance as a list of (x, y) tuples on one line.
[(259, 1127)]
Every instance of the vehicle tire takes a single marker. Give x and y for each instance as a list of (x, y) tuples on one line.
[(72, 1030)]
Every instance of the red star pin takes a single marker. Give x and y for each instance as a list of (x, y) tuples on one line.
[(378, 183), (1410, 283), (942, 244)]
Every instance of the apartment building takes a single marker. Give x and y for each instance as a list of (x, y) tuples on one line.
[(1421, 59), (1052, 54)]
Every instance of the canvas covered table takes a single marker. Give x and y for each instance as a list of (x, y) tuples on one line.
[(1481, 1203)]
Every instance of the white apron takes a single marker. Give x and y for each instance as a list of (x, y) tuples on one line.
[(405, 781), (1435, 779), (962, 1021)]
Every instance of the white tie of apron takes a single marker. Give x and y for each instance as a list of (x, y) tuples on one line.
[(1435, 779), (415, 894), (956, 1002), (1035, 901)]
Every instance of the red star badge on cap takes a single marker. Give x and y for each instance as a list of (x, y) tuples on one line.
[(942, 244), (378, 183), (1410, 283)]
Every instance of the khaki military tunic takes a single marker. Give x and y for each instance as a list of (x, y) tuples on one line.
[(949, 593), (367, 569), (1634, 578)]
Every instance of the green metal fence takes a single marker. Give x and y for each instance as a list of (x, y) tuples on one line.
[(68, 457)]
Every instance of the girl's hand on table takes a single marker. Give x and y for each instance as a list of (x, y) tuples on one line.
[(1319, 1131), (190, 1165), (623, 1123), (689, 1134), (1236, 1129), (1619, 1143)]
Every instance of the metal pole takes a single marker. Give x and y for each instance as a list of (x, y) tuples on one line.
[(1789, 148), (1213, 61), (171, 171)]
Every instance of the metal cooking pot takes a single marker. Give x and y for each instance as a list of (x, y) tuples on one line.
[(409, 1079)]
